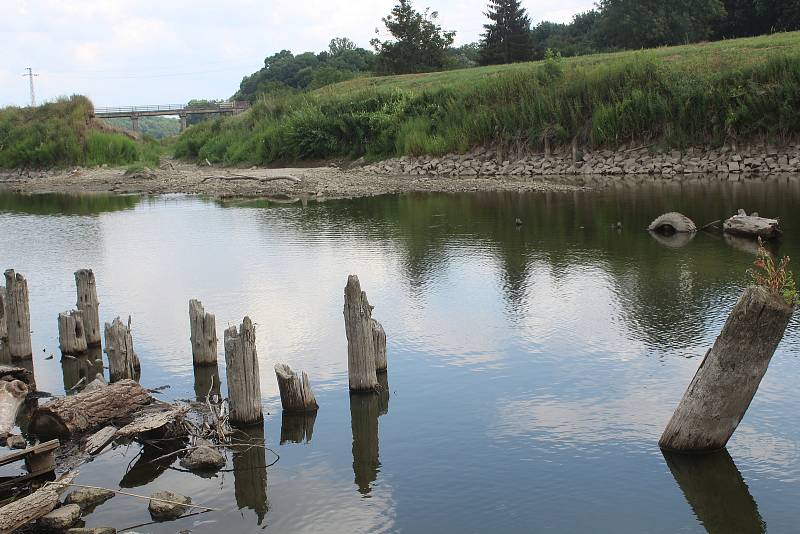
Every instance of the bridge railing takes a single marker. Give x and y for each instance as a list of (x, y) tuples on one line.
[(219, 106)]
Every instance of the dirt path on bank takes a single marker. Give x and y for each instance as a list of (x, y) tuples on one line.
[(316, 182)]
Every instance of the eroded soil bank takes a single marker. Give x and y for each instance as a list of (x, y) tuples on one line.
[(315, 182)]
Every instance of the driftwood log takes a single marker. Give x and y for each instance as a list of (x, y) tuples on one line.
[(87, 303), (30, 508), (244, 385), (71, 332), (728, 377), (360, 346), (18, 316), (203, 334), (122, 360), (12, 395), (752, 226), (88, 410), (97, 441), (296, 393), (671, 223), (379, 346), (163, 422), (3, 327)]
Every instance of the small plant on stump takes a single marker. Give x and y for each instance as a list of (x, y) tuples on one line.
[(778, 280)]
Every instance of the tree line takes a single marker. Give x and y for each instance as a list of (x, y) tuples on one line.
[(418, 43)]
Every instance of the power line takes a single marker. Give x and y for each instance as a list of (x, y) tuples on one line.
[(30, 76)]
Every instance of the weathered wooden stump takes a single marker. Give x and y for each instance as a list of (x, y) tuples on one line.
[(360, 345), (296, 393), (752, 226), (728, 377), (244, 385), (87, 303), (671, 223), (379, 346), (716, 491), (122, 360), (71, 332), (18, 316), (203, 334), (12, 395), (3, 327), (88, 410)]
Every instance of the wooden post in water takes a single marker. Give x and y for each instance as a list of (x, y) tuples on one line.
[(12, 395), (360, 345), (71, 332), (244, 386), (203, 334), (296, 394), (122, 360), (379, 346), (89, 305), (3, 328), (18, 316), (728, 377)]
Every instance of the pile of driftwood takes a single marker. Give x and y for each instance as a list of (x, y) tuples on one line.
[(741, 224), (100, 413)]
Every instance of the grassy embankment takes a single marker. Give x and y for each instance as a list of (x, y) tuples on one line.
[(61, 133), (745, 89)]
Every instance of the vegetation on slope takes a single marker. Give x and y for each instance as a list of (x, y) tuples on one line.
[(62, 133), (690, 95)]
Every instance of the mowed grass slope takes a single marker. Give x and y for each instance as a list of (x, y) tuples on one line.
[(711, 93)]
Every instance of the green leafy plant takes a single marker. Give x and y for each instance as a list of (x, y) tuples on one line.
[(778, 280)]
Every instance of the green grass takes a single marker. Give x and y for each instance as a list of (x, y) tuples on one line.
[(61, 133), (746, 89)]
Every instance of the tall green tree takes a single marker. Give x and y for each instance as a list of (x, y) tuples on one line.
[(507, 38), (649, 23), (418, 43)]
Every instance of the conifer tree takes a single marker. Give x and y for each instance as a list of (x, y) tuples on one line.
[(507, 38)]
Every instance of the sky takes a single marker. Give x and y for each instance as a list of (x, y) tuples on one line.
[(148, 52)]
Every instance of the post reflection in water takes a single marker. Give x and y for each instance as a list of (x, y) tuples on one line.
[(206, 381), (716, 491), (297, 428), (250, 471), (80, 370), (365, 408)]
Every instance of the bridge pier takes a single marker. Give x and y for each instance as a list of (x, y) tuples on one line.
[(183, 121), (135, 123)]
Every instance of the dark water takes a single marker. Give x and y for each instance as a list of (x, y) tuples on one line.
[(531, 370)]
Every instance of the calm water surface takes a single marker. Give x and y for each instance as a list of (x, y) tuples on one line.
[(531, 369)]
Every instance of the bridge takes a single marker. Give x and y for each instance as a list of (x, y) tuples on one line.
[(181, 110)]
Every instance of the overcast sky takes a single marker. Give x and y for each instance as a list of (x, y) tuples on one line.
[(134, 52)]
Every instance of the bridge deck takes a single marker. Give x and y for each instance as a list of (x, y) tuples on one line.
[(170, 109)]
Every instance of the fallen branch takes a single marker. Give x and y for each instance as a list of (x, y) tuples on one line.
[(253, 178), (30, 508)]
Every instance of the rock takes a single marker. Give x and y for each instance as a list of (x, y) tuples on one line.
[(95, 530), (203, 458), (60, 519), (89, 498), (15, 441), (164, 511)]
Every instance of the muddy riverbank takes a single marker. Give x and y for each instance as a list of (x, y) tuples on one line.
[(313, 182)]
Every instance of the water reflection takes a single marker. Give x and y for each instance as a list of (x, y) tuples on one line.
[(250, 471), (297, 428), (65, 204), (206, 381), (78, 371), (673, 240), (365, 408), (153, 460), (716, 491)]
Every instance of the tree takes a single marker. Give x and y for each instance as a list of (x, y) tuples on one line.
[(419, 44), (649, 23), (508, 36)]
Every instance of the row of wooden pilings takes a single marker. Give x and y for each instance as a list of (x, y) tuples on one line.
[(705, 419), (79, 330)]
